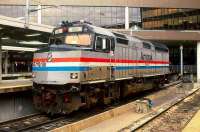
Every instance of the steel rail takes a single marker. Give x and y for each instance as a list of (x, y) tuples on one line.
[(153, 115)]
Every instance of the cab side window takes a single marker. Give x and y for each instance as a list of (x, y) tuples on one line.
[(103, 44), (99, 42), (108, 44)]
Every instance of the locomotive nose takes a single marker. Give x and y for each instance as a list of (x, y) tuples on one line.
[(56, 68)]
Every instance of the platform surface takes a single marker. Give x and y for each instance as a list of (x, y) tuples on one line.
[(128, 117), (7, 86), (194, 124)]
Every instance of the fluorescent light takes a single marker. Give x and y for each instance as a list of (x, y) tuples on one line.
[(5, 38), (32, 42), (32, 35), (18, 48), (20, 18)]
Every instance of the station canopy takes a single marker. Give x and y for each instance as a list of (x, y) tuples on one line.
[(16, 35)]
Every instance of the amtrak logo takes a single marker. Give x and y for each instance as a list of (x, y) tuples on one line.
[(49, 57)]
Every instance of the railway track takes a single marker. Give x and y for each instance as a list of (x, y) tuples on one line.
[(169, 116), (26, 122), (42, 122)]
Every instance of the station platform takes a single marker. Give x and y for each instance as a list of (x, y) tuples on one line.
[(121, 117), (26, 74), (194, 124), (17, 85)]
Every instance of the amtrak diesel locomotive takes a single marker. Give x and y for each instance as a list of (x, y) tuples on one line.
[(86, 65)]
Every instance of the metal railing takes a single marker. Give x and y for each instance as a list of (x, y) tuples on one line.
[(186, 69)]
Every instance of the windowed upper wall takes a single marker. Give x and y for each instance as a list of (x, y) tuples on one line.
[(17, 11), (183, 19), (111, 17), (101, 16)]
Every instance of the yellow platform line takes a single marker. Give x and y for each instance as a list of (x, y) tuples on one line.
[(16, 88), (194, 124)]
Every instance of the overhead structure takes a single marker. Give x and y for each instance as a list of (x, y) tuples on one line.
[(13, 22), (11, 26), (170, 35), (16, 35), (126, 3)]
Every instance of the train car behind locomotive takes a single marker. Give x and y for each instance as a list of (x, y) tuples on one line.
[(85, 65)]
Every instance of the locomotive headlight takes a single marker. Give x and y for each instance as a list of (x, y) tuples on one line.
[(33, 75), (74, 75)]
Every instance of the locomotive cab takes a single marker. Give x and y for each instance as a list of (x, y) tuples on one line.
[(83, 36), (71, 50)]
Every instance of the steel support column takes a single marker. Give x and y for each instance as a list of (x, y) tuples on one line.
[(181, 59), (0, 62), (198, 61), (126, 18), (39, 14), (27, 14), (6, 63)]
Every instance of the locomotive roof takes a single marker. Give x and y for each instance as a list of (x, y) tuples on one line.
[(160, 46), (107, 32), (133, 38), (100, 30)]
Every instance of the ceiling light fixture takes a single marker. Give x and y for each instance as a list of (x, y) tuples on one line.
[(5, 38), (32, 35), (14, 48), (32, 42)]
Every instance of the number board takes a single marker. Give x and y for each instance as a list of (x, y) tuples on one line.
[(75, 29)]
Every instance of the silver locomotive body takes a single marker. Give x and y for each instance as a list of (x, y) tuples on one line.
[(66, 79), (79, 66)]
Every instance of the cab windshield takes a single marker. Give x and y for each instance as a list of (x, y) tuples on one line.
[(73, 39), (78, 39)]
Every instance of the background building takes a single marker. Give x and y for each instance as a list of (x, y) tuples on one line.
[(174, 19), (182, 19)]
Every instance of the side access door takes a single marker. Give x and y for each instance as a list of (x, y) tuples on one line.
[(105, 46)]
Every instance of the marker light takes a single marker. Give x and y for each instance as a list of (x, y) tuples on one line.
[(74, 75)]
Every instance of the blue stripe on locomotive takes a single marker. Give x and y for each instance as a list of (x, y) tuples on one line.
[(86, 68)]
